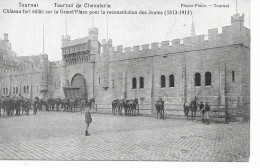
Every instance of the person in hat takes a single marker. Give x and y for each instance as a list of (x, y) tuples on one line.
[(88, 120)]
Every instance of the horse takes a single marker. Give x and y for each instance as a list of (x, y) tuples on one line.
[(114, 106), (120, 105), (159, 105), (193, 108), (186, 107), (83, 105), (131, 106)]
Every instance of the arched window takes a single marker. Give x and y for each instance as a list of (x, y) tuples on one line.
[(7, 90), (4, 90), (13, 90), (207, 79), (162, 81), (141, 82), (197, 79), (27, 90), (24, 89), (171, 80), (16, 90), (134, 83)]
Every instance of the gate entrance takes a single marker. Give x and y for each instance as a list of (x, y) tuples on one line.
[(78, 87)]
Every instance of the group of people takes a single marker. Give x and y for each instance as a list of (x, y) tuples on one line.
[(10, 106)]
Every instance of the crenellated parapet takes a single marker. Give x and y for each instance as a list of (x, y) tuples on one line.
[(226, 36)]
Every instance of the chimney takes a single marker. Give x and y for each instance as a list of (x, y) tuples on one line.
[(6, 37)]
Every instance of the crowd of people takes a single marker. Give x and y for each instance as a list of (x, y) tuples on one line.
[(10, 106)]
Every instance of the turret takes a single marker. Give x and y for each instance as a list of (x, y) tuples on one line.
[(93, 33), (238, 21), (65, 38)]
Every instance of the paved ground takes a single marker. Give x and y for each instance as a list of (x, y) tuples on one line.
[(60, 136)]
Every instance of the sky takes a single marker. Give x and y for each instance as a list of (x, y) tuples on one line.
[(26, 30)]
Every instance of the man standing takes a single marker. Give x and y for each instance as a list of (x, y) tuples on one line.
[(201, 105), (88, 120), (207, 110)]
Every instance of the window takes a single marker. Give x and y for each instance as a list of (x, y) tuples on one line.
[(197, 79), (1, 56), (27, 90), (141, 82), (113, 83), (171, 80), (233, 76), (207, 79), (24, 89), (134, 83), (13, 90), (16, 90), (162, 81), (99, 79), (6, 90)]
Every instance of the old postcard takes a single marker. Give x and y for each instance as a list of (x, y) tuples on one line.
[(112, 80)]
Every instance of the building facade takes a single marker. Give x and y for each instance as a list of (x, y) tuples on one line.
[(213, 67)]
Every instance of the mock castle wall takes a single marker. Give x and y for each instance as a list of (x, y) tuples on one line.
[(219, 54)]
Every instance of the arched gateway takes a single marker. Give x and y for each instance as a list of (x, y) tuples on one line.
[(77, 88)]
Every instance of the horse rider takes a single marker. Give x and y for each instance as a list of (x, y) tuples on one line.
[(201, 106), (207, 110)]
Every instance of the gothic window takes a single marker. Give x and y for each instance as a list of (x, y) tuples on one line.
[(4, 90), (233, 76), (27, 89), (162, 81), (16, 90), (141, 82), (134, 83), (24, 89), (171, 80), (13, 90), (207, 79), (197, 79)]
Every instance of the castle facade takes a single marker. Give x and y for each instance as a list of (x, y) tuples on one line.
[(215, 68)]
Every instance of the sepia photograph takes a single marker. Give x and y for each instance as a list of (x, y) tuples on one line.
[(112, 80)]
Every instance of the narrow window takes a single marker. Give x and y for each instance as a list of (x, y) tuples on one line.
[(99, 79), (197, 79), (27, 89), (233, 76), (24, 89), (4, 90), (171, 80), (207, 79), (134, 83), (141, 81), (162, 81), (13, 90), (7, 90), (113, 83), (16, 90)]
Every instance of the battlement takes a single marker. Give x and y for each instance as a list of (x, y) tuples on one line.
[(214, 38), (57, 63)]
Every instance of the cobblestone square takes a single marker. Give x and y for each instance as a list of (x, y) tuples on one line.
[(60, 136)]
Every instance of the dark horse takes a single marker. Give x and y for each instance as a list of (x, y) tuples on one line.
[(186, 108), (131, 107), (114, 106), (159, 105)]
